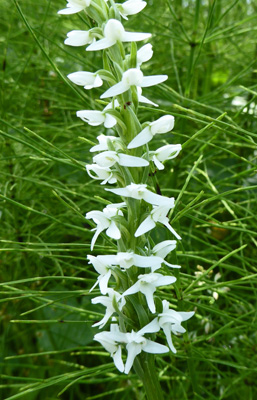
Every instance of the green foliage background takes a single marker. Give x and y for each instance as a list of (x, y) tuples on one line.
[(208, 49)]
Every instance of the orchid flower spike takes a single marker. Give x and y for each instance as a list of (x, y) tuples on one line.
[(161, 125), (147, 285), (164, 153), (104, 272), (133, 77), (87, 79), (158, 214), (111, 345), (114, 31), (170, 321), (108, 301), (104, 174), (140, 192), (130, 7), (79, 38), (109, 158), (104, 220), (75, 6)]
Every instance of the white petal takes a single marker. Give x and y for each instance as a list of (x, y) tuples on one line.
[(110, 121), (143, 99), (146, 226), (144, 54), (115, 90), (148, 291), (157, 163), (165, 280), (152, 327), (154, 348), (134, 36), (153, 80), (118, 360), (133, 350), (186, 315), (172, 230), (142, 138), (93, 118), (167, 332), (131, 161), (100, 45), (71, 10), (132, 7), (113, 231), (103, 281), (78, 38), (162, 249), (147, 262)]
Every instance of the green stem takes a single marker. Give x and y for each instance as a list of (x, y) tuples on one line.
[(145, 369)]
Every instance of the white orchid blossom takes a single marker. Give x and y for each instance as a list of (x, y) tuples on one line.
[(164, 153), (147, 284), (158, 214), (114, 31), (140, 192), (104, 221), (104, 174), (111, 345), (108, 302), (170, 321), (144, 54), (130, 7), (109, 158), (103, 143), (104, 272), (133, 77), (78, 38), (95, 117), (161, 125), (128, 259), (162, 249), (75, 6), (87, 79)]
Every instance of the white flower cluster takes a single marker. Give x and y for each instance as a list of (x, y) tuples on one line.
[(127, 280)]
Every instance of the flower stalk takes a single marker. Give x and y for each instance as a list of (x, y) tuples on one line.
[(128, 280)]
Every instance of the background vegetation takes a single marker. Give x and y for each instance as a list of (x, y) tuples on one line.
[(208, 49)]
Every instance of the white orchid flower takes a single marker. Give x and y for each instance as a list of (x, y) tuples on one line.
[(135, 342), (164, 153), (144, 54), (130, 7), (103, 143), (127, 259), (147, 285), (104, 174), (170, 321), (95, 117), (133, 77), (162, 249), (114, 31), (79, 38), (104, 221), (161, 125), (75, 6), (158, 214), (107, 301), (140, 192), (87, 79), (143, 99), (104, 272), (111, 345), (109, 158)]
